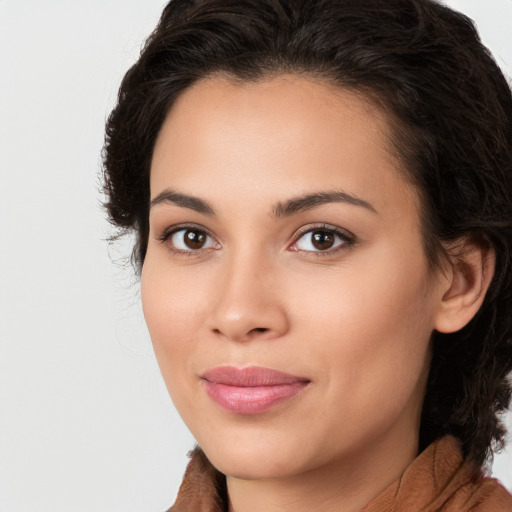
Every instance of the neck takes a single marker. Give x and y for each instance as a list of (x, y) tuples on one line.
[(346, 485)]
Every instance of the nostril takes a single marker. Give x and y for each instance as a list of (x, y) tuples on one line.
[(259, 329)]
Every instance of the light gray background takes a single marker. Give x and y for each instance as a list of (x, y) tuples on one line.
[(85, 420)]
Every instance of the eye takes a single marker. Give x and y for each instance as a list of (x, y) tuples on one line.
[(190, 239), (322, 239)]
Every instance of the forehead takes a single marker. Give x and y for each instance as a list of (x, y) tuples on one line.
[(295, 133)]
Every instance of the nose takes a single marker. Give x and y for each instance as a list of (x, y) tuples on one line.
[(249, 304)]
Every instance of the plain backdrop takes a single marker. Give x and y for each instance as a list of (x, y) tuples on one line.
[(85, 420)]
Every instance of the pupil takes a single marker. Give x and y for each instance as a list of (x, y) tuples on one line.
[(194, 239), (323, 240)]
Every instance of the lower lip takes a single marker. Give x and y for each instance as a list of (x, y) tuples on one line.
[(251, 399)]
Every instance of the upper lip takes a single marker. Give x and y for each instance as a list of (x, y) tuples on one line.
[(251, 376)]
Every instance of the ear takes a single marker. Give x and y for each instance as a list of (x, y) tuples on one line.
[(469, 271)]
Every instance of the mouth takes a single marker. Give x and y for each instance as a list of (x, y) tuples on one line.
[(251, 390)]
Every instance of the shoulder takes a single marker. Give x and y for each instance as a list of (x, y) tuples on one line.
[(440, 480), (480, 494)]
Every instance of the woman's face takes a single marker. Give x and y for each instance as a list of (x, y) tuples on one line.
[(285, 287)]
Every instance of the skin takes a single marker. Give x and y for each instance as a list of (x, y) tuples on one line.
[(356, 321)]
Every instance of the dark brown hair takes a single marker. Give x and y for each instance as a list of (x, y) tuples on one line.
[(450, 108)]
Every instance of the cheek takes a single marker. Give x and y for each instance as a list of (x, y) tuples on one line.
[(174, 307), (369, 326), (364, 297), (172, 297)]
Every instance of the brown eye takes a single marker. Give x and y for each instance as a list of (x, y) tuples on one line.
[(322, 240), (191, 240), (194, 239)]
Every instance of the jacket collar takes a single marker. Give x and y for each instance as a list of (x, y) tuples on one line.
[(438, 480)]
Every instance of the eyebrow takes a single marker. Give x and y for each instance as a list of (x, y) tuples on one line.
[(281, 209), (309, 201), (183, 200)]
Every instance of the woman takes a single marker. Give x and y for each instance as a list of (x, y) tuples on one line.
[(321, 193)]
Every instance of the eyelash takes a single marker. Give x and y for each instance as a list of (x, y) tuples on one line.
[(168, 233), (347, 239)]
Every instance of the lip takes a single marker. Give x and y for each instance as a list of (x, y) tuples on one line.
[(250, 390)]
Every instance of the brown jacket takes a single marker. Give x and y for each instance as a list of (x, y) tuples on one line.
[(438, 480)]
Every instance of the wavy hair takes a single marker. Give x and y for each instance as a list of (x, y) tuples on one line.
[(450, 110)]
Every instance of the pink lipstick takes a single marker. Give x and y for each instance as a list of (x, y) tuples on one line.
[(250, 390)]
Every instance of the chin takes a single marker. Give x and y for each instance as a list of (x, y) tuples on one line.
[(254, 456), (253, 465)]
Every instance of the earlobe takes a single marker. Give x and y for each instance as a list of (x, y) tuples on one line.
[(471, 268)]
